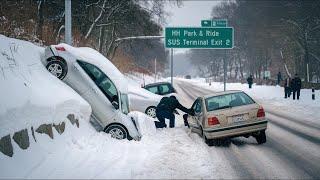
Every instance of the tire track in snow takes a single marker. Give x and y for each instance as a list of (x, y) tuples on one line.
[(298, 162), (294, 131)]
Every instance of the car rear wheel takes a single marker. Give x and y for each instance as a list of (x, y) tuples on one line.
[(151, 111), (57, 68), (117, 131), (209, 142), (261, 137)]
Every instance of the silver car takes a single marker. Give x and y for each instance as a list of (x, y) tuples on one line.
[(99, 82)]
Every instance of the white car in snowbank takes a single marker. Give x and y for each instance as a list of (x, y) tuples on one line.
[(99, 82), (143, 101)]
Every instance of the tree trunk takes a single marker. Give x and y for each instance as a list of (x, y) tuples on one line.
[(40, 19)]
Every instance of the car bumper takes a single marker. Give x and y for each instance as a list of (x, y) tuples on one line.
[(214, 133)]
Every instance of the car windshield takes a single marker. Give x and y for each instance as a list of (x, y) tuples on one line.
[(124, 103), (228, 101)]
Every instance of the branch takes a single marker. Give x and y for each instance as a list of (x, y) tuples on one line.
[(96, 20)]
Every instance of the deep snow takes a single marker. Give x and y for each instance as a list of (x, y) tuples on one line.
[(162, 153), (29, 95)]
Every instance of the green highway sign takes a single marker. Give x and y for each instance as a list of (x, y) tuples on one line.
[(214, 23), (199, 37)]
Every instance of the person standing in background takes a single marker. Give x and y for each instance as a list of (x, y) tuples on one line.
[(250, 81), (279, 76), (287, 87), (296, 86)]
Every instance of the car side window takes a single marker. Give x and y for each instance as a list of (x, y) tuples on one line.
[(101, 80), (164, 89), (197, 106), (153, 89)]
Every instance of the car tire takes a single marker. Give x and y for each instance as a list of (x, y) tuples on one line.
[(57, 68), (261, 137), (117, 131), (209, 142), (151, 111)]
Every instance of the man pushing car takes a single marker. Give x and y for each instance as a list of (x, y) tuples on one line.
[(165, 109)]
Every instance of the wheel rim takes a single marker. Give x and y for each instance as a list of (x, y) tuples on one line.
[(55, 69), (151, 112), (117, 133)]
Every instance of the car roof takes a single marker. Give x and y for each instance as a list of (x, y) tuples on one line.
[(156, 84), (219, 93), (94, 57)]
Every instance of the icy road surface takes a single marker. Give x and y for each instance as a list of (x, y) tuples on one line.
[(292, 149)]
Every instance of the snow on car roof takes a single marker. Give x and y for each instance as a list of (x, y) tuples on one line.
[(94, 57), (221, 93)]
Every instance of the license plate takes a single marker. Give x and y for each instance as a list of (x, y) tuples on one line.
[(238, 118)]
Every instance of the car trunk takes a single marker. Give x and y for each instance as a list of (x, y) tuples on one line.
[(235, 115)]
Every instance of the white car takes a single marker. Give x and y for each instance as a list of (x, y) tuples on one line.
[(144, 101), (158, 90), (99, 82)]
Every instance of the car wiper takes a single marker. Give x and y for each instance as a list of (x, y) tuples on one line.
[(223, 107)]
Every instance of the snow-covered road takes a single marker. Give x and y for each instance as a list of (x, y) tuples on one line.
[(291, 151)]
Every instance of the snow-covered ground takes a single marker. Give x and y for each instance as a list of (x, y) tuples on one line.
[(272, 99), (31, 96)]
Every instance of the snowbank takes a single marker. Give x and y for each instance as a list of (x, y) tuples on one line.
[(30, 96)]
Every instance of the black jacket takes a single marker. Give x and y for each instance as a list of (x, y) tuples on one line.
[(250, 80), (169, 104), (296, 83)]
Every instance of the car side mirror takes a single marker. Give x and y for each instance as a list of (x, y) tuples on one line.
[(174, 90), (115, 105)]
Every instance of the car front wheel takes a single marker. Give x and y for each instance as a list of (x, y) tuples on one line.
[(151, 111), (117, 131), (261, 137), (57, 68)]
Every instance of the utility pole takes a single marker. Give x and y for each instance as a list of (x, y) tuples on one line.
[(171, 66), (155, 69), (68, 35), (224, 70)]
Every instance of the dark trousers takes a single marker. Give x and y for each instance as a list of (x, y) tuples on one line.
[(298, 94), (250, 85), (162, 115), (287, 92)]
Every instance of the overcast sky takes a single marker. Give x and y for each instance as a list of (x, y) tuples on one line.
[(189, 14)]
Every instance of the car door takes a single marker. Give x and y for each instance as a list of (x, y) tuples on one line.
[(194, 120), (101, 94), (78, 79)]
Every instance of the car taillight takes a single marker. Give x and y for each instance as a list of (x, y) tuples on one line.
[(261, 112), (60, 49), (213, 121)]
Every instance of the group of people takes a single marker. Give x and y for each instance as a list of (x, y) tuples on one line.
[(292, 86)]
